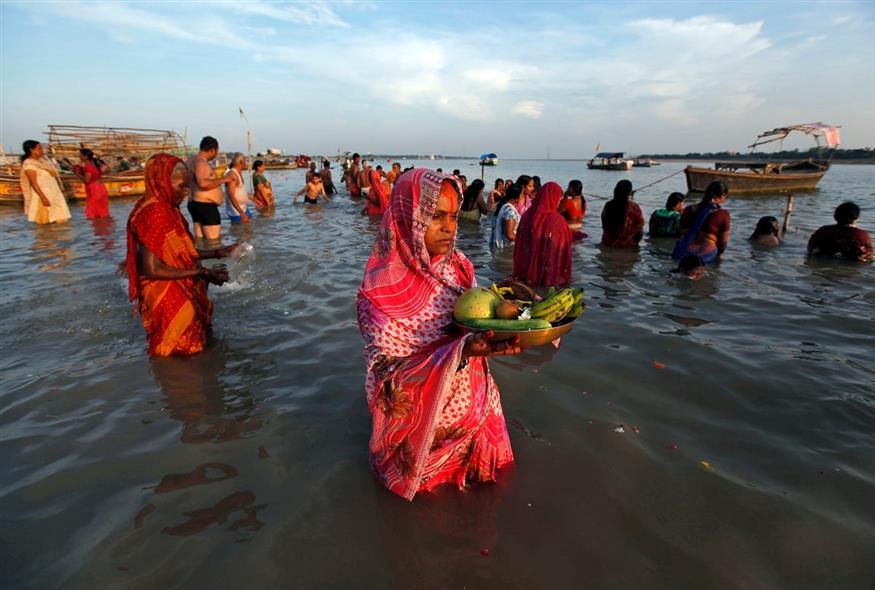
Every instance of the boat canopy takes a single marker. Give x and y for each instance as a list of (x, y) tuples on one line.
[(487, 156), (65, 141), (609, 155), (829, 134)]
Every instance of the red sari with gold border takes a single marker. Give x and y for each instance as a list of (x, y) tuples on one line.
[(176, 313)]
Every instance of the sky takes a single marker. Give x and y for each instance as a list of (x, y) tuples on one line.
[(522, 79)]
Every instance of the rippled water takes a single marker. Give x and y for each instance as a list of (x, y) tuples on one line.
[(747, 400)]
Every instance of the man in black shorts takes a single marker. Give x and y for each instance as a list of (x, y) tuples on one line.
[(206, 192)]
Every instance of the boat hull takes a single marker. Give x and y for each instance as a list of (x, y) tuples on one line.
[(117, 186), (698, 180), (620, 166)]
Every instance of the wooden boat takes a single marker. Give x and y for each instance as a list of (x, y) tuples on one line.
[(769, 177), (126, 184), (644, 163), (10, 190), (758, 177), (609, 161)]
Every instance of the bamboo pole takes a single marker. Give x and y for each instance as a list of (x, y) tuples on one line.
[(787, 213)]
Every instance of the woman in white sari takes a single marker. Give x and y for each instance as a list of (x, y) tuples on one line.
[(44, 201)]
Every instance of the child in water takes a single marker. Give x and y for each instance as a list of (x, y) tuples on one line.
[(767, 232), (691, 266), (314, 189)]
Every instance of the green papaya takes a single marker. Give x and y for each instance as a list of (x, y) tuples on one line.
[(516, 325)]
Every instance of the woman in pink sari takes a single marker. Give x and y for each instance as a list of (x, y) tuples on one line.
[(96, 196), (436, 411), (542, 256)]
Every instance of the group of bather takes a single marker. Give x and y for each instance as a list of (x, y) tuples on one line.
[(436, 411)]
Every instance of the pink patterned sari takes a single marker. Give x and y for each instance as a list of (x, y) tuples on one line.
[(433, 422)]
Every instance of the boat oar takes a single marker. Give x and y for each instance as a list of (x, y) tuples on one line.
[(787, 213)]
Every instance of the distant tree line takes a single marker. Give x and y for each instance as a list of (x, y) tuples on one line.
[(864, 155)]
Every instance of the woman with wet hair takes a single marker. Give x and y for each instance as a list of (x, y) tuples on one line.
[(622, 220), (767, 232), (44, 201)]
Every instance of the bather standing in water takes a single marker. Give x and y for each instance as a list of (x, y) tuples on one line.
[(352, 174), (44, 201), (436, 411), (313, 190), (364, 178), (844, 238), (165, 277), (767, 232), (622, 220), (327, 180), (705, 226)]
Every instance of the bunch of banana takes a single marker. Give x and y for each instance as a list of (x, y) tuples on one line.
[(578, 306), (558, 305), (553, 307)]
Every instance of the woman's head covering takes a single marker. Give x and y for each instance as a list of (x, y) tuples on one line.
[(159, 170), (154, 216), (401, 276), (542, 255)]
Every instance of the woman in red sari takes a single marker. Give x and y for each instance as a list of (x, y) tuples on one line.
[(622, 220), (542, 256), (96, 196), (436, 411), (165, 277), (378, 199)]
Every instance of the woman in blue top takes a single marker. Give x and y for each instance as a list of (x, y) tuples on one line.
[(507, 219)]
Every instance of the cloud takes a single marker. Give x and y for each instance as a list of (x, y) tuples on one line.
[(313, 13), (528, 108)]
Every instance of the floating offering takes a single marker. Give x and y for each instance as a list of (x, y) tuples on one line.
[(511, 308)]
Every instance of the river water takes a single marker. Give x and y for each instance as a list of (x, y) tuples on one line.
[(747, 404)]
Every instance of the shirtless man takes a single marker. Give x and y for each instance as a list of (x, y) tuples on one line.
[(327, 180), (314, 190), (206, 191), (352, 174), (364, 178), (311, 171)]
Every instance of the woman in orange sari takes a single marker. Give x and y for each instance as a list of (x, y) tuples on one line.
[(165, 277), (436, 411), (378, 198)]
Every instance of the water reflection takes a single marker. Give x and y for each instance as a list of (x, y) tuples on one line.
[(52, 246), (194, 393), (615, 264), (200, 519), (104, 230)]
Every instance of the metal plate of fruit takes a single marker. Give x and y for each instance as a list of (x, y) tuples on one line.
[(510, 309)]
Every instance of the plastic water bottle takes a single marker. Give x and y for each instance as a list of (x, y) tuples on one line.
[(240, 261)]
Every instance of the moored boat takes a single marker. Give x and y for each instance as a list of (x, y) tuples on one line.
[(489, 159), (609, 161), (644, 163), (768, 177)]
